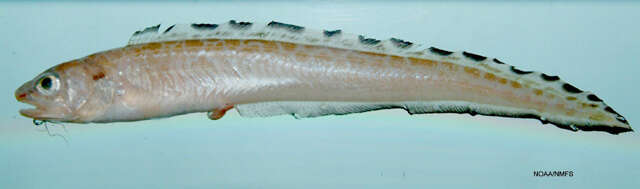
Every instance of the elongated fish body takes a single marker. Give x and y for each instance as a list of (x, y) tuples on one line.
[(276, 68)]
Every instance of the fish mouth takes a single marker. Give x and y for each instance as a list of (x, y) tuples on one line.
[(38, 111), (22, 94), (41, 114), (32, 112)]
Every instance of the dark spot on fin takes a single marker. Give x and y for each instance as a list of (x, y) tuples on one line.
[(440, 51), (331, 33), (497, 61), (543, 121), (574, 128), (570, 88), (549, 78), (594, 98), (608, 129), (610, 110), (618, 116), (240, 25), (474, 57), (204, 26), (521, 72), (368, 41), (149, 29), (622, 119), (289, 27), (472, 111), (400, 43), (169, 29)]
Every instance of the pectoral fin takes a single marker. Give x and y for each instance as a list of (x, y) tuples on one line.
[(216, 114)]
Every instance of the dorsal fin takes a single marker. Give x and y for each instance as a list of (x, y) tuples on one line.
[(274, 31), (277, 31)]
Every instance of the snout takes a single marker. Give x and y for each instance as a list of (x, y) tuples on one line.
[(21, 96), (22, 92)]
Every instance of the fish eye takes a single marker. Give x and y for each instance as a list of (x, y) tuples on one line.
[(48, 84)]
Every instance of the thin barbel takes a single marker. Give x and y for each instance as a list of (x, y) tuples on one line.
[(46, 126)]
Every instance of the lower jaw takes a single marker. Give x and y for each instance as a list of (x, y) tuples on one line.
[(30, 113), (39, 115)]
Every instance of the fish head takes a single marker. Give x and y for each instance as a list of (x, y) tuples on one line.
[(58, 93)]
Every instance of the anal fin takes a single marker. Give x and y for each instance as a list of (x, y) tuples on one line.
[(304, 109), (310, 109)]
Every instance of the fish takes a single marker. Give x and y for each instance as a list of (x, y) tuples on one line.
[(269, 69)]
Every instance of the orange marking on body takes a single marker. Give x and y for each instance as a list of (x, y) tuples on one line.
[(179, 46), (570, 98), (449, 65), (515, 84), (551, 96), (473, 71), (98, 76), (503, 81), (597, 117), (288, 46), (538, 92), (422, 61), (234, 43), (170, 43), (195, 43), (151, 46), (585, 105), (490, 76)]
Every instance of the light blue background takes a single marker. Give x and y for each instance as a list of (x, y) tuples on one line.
[(594, 45)]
